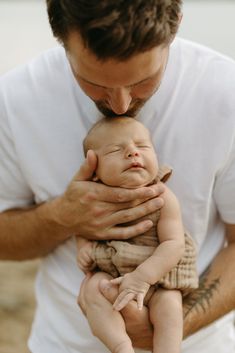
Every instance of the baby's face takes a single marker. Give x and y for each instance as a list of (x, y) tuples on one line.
[(126, 156)]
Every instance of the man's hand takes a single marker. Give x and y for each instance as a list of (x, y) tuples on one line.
[(137, 321), (94, 210)]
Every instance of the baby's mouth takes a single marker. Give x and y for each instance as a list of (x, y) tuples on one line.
[(135, 165)]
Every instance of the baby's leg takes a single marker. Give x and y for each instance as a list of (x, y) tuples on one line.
[(166, 315), (106, 323)]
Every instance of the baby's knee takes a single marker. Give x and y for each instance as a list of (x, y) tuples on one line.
[(165, 303)]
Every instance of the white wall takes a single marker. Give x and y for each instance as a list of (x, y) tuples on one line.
[(24, 28), (24, 31), (211, 22)]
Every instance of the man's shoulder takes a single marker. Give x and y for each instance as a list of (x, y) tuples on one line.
[(44, 74), (45, 63), (207, 72), (190, 51)]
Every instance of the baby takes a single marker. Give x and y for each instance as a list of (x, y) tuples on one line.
[(156, 268)]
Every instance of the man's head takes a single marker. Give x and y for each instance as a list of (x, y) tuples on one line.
[(126, 156), (116, 29), (117, 49)]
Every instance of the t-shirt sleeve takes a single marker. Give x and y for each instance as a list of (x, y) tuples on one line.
[(14, 191), (224, 191)]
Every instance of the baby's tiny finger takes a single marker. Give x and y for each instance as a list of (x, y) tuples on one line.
[(117, 280), (123, 301), (140, 301)]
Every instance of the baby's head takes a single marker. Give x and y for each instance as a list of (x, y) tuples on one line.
[(126, 156)]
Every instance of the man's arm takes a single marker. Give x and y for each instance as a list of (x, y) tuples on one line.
[(86, 208), (214, 298), (216, 294), (29, 233)]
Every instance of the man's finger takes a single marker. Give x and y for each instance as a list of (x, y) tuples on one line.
[(81, 297), (119, 232), (109, 291), (121, 195), (129, 215)]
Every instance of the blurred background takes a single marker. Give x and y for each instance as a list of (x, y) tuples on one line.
[(24, 29), (24, 33)]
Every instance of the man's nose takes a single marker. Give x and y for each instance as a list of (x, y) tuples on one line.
[(119, 100)]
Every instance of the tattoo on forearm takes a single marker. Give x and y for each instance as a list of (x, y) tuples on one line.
[(201, 298)]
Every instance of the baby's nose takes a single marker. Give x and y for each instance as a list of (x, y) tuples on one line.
[(133, 153)]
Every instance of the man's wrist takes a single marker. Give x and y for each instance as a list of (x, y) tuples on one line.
[(49, 217)]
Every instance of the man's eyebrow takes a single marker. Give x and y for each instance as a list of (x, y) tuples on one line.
[(132, 85), (87, 81), (145, 79)]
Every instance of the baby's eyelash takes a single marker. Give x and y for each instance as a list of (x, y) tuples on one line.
[(143, 146), (113, 151)]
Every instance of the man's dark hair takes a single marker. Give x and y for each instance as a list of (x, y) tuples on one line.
[(116, 29)]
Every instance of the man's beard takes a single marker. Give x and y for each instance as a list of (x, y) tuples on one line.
[(132, 111)]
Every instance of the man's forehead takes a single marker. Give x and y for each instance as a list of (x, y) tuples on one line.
[(86, 66)]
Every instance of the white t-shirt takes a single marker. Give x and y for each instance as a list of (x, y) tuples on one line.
[(44, 117)]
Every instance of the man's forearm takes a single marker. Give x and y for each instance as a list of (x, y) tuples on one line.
[(216, 293), (29, 233)]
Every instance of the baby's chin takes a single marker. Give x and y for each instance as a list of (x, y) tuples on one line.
[(136, 183), (133, 180)]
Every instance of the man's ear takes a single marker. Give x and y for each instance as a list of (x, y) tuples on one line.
[(180, 18), (179, 22)]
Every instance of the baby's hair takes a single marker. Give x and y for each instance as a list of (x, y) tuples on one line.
[(87, 142)]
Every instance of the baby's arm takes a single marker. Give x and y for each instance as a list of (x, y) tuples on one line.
[(84, 254), (135, 285)]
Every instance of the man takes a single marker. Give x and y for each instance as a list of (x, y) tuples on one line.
[(123, 56)]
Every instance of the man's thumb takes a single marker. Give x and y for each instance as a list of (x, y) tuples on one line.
[(88, 168)]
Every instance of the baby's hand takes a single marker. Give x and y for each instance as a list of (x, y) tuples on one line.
[(84, 256), (131, 287)]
